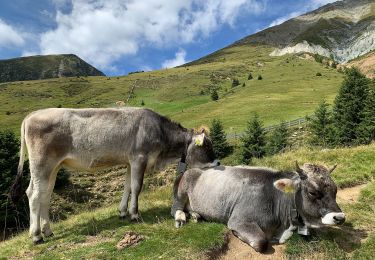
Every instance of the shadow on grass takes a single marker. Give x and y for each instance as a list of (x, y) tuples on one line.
[(95, 226), (346, 237)]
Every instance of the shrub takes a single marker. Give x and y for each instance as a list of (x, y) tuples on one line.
[(11, 217), (250, 77), (142, 102), (260, 77), (318, 74), (214, 95), (244, 84), (235, 83)]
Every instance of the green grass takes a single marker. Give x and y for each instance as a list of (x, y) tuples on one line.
[(355, 239), (289, 89), (95, 235), (355, 165)]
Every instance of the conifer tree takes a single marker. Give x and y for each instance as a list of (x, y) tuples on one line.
[(366, 129), (253, 141), (278, 140), (348, 106), (320, 125), (219, 140)]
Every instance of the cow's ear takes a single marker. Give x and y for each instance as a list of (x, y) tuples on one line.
[(300, 172), (199, 139), (332, 169), (285, 185)]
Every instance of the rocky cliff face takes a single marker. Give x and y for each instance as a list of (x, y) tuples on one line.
[(343, 30), (44, 67)]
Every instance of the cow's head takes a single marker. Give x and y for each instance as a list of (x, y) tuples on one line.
[(315, 195), (200, 153)]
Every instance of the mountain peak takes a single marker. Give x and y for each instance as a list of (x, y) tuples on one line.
[(343, 30)]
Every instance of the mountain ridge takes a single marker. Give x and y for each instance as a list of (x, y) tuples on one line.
[(343, 31), (45, 67)]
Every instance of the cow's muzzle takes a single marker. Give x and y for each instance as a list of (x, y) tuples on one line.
[(334, 218)]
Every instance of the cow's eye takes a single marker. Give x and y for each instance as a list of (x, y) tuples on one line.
[(313, 194)]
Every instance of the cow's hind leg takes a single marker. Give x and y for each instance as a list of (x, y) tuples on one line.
[(250, 233), (195, 217), (38, 193), (123, 207), (138, 168), (45, 204)]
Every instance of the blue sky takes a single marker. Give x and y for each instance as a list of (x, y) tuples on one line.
[(119, 36)]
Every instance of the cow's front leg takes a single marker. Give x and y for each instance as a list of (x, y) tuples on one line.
[(123, 207), (250, 233), (180, 199), (138, 168)]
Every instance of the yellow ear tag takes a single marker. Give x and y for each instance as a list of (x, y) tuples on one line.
[(199, 140), (289, 188)]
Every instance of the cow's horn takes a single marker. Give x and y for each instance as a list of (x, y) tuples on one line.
[(332, 169), (300, 172)]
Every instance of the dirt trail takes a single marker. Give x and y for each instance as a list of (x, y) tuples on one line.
[(236, 249), (349, 195)]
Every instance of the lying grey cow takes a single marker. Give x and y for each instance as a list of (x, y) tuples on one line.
[(258, 204), (89, 139)]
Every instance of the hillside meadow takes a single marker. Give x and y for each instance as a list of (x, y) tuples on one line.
[(289, 89), (95, 233)]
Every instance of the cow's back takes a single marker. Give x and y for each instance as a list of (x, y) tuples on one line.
[(97, 137)]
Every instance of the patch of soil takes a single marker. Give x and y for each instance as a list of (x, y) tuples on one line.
[(366, 64), (130, 238), (236, 250), (349, 195)]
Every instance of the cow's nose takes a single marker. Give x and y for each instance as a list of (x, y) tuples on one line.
[(339, 219), (215, 163)]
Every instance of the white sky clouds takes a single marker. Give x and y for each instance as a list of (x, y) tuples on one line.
[(179, 59), (102, 31), (9, 36)]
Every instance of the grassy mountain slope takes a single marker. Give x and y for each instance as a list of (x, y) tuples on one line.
[(94, 234), (289, 89), (44, 67)]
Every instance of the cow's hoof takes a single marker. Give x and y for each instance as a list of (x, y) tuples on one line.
[(179, 223), (135, 218), (180, 218), (122, 217), (49, 235), (195, 217), (38, 242)]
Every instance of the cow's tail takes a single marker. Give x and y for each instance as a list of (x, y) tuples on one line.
[(16, 189)]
